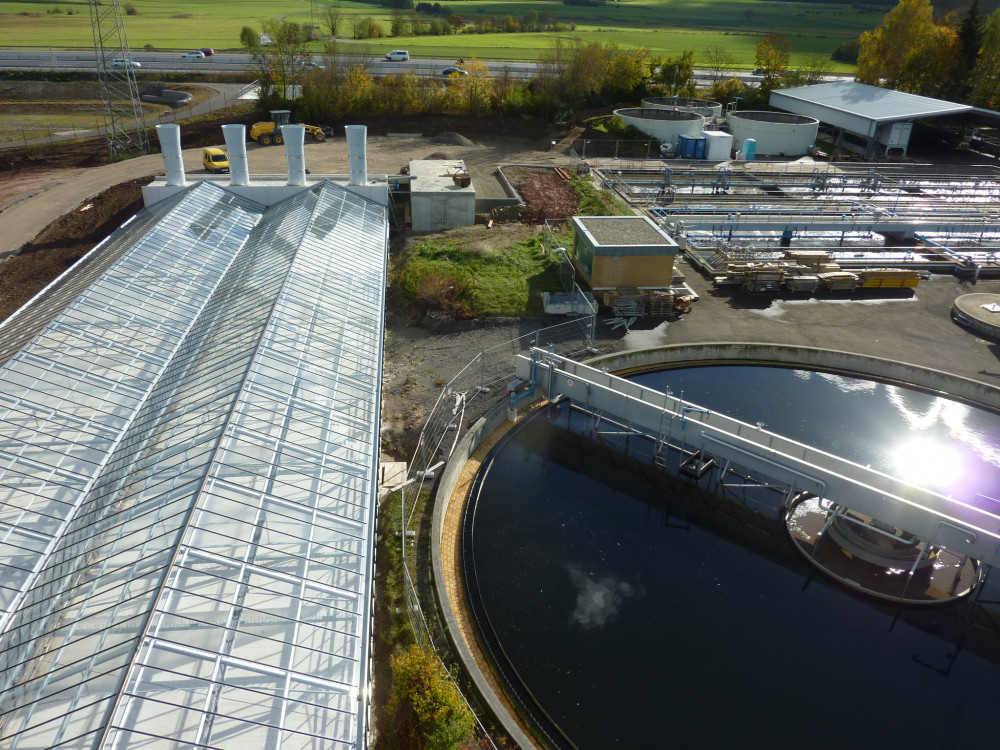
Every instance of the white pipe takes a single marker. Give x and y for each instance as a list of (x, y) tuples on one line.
[(357, 153), (236, 147), (295, 156), (170, 145)]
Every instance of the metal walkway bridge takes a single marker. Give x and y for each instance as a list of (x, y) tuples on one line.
[(960, 527)]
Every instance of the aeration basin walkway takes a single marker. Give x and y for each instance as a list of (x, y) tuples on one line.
[(961, 527)]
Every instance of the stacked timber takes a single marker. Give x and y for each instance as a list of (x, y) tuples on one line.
[(838, 281), (811, 258)]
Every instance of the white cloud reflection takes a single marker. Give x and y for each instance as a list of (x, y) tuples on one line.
[(597, 599), (840, 382), (953, 415)]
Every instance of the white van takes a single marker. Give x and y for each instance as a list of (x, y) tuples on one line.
[(398, 55)]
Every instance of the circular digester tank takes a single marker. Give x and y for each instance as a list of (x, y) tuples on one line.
[(776, 133), (703, 107), (663, 124)]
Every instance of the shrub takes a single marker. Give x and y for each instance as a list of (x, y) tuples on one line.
[(131, 10), (367, 28), (432, 714)]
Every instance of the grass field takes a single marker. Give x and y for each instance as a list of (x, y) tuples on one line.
[(663, 26), (25, 119)]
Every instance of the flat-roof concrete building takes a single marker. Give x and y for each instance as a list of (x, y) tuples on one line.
[(441, 195)]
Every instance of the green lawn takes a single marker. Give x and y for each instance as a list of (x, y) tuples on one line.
[(24, 121), (663, 26), (469, 281)]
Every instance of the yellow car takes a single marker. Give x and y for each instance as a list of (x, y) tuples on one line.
[(215, 160)]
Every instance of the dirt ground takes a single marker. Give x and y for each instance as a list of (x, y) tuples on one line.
[(543, 189), (421, 353)]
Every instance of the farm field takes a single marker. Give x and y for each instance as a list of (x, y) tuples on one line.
[(664, 27), (48, 110)]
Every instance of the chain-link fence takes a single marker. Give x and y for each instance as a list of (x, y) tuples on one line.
[(477, 389)]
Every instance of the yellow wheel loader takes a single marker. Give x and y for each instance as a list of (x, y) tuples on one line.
[(268, 132)]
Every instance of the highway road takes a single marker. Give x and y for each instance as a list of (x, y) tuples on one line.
[(221, 62), (173, 62)]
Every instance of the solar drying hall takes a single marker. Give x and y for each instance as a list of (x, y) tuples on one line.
[(187, 505)]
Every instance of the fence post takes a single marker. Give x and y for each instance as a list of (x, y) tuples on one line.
[(616, 148)]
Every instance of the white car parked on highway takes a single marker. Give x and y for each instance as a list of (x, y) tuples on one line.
[(121, 62)]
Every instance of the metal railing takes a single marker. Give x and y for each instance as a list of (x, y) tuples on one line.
[(478, 388)]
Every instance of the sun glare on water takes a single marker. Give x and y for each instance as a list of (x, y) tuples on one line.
[(928, 464)]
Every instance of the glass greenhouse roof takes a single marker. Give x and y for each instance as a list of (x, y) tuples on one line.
[(188, 452)]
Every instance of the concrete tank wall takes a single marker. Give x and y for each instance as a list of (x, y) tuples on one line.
[(703, 107), (978, 394), (776, 133), (663, 124)]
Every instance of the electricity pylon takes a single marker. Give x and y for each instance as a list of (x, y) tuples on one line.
[(124, 119)]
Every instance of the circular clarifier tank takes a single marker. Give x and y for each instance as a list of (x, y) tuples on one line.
[(663, 124), (980, 312), (580, 565), (776, 133), (703, 107)]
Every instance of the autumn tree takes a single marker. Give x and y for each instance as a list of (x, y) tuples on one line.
[(719, 61), (986, 74), (331, 17), (280, 63), (475, 89), (728, 90), (908, 51), (811, 71), (674, 75), (771, 56), (367, 28)]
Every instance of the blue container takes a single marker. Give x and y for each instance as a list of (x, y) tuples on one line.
[(690, 147), (685, 147), (749, 149)]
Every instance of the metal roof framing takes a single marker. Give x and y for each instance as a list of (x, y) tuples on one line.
[(188, 461)]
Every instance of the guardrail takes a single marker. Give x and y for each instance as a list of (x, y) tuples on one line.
[(478, 388)]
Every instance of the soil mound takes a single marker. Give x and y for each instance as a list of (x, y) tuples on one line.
[(450, 139)]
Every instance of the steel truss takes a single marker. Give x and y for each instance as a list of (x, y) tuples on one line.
[(124, 119)]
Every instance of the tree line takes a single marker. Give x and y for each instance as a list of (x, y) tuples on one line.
[(571, 75), (955, 55)]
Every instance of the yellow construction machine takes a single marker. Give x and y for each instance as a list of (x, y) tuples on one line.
[(269, 131)]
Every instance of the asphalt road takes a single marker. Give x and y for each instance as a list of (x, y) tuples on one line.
[(221, 62), (85, 59)]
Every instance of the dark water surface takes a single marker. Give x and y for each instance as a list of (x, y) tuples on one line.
[(632, 627)]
